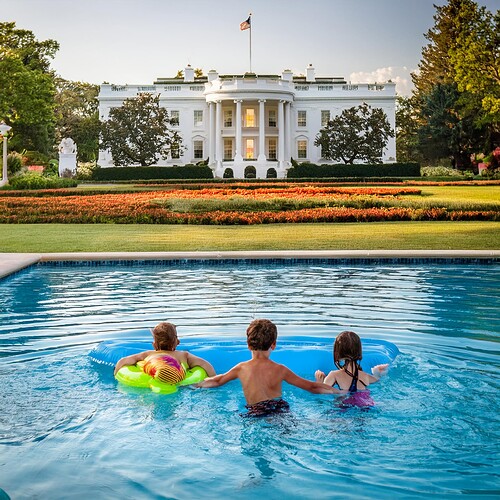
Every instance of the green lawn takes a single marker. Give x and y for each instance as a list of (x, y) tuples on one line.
[(48, 238)]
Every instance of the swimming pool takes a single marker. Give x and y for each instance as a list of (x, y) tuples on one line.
[(68, 431)]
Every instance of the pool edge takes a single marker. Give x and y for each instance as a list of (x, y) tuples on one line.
[(11, 263)]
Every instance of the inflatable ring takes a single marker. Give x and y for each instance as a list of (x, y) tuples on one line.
[(134, 376), (304, 355)]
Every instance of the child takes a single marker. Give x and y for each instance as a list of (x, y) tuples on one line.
[(347, 355), (165, 341), (260, 377)]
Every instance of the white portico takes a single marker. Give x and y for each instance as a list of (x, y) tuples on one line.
[(252, 125), (249, 125)]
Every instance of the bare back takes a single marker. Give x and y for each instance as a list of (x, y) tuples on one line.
[(261, 379)]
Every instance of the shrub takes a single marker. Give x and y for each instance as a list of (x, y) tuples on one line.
[(85, 171), (142, 173), (14, 163), (33, 180), (439, 171), (357, 170)]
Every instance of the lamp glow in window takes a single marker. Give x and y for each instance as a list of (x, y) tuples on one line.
[(250, 117), (250, 149)]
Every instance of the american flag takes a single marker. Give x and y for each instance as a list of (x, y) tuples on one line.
[(245, 24)]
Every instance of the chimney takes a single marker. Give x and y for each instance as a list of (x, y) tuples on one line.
[(310, 73), (287, 75), (212, 75), (189, 74)]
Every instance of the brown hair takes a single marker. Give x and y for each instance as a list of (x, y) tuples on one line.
[(347, 347), (261, 334), (165, 336)]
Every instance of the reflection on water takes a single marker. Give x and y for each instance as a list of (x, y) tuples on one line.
[(430, 433)]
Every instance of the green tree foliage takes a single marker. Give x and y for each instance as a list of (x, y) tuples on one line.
[(407, 124), (77, 115), (358, 133), (138, 132), (452, 120), (476, 59), (27, 88)]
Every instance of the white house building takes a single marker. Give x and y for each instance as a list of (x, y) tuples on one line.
[(252, 125)]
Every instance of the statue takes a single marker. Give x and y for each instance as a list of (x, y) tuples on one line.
[(67, 146), (67, 157)]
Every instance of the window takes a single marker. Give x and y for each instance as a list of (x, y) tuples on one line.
[(249, 149), (198, 149), (198, 117), (228, 118), (302, 149), (250, 117), (272, 149), (228, 149), (301, 118), (174, 117), (325, 117), (272, 118), (175, 151)]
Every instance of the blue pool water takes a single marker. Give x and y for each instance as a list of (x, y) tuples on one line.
[(68, 431)]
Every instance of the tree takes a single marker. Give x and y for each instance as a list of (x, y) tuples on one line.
[(77, 116), (452, 119), (358, 133), (138, 132), (476, 60), (407, 124), (27, 88)]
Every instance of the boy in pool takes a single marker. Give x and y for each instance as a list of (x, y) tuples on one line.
[(347, 355), (165, 341), (261, 378)]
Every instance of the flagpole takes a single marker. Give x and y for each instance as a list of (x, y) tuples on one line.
[(250, 17)]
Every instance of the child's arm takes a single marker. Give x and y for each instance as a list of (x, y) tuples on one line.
[(329, 379), (132, 360), (193, 360), (221, 379), (308, 385), (378, 371)]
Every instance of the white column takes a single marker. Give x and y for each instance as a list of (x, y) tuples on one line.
[(262, 132), (218, 135), (211, 133), (238, 157), (281, 134), (288, 152)]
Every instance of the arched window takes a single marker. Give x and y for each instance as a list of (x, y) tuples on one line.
[(250, 172), (271, 173), (228, 173)]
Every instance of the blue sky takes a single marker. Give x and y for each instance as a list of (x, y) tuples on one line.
[(136, 41)]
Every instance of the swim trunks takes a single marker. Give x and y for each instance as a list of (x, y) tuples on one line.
[(267, 407)]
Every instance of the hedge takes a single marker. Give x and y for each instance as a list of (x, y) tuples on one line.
[(357, 170), (144, 173)]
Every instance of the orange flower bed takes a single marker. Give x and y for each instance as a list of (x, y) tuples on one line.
[(148, 207)]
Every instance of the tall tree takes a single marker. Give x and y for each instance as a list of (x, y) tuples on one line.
[(451, 119), (359, 133), (407, 124), (77, 116), (27, 88), (476, 60), (138, 132)]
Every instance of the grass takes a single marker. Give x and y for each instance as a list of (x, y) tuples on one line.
[(48, 238)]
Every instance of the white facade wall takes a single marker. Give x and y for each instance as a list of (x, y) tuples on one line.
[(286, 113)]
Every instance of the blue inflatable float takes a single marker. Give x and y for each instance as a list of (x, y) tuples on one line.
[(303, 355)]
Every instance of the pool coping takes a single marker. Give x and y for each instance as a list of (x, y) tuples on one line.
[(13, 262)]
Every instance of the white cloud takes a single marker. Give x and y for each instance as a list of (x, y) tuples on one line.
[(399, 75)]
